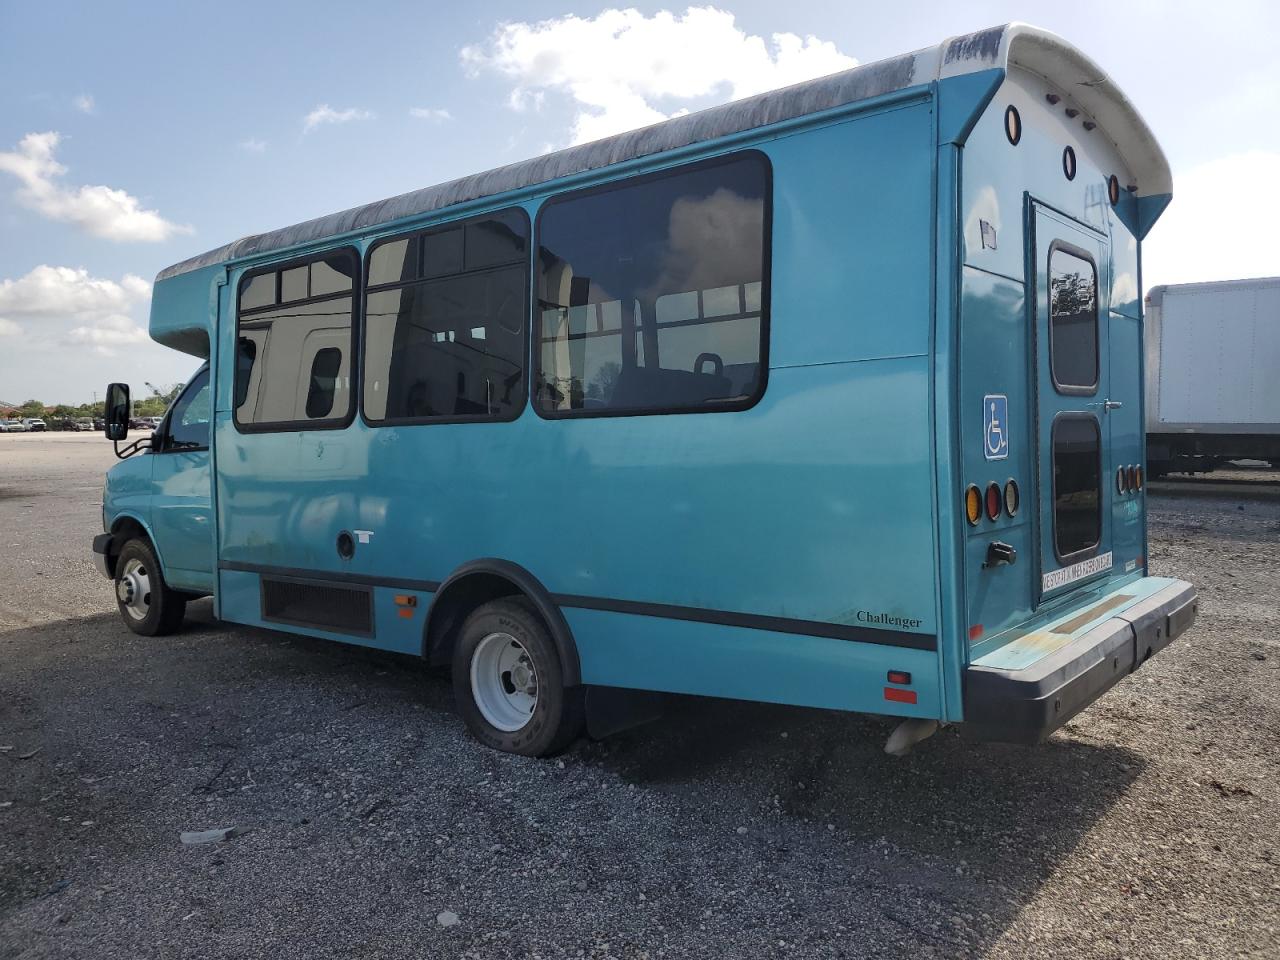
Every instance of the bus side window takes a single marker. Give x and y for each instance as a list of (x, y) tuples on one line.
[(651, 292), (294, 331), (444, 334)]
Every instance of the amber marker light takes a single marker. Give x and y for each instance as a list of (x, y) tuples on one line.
[(973, 504), (1113, 189), (993, 500), (1137, 477)]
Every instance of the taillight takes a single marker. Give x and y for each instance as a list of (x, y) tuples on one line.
[(1122, 481), (1133, 479), (1137, 478), (972, 504), (993, 500)]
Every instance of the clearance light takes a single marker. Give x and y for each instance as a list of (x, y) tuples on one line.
[(1013, 125), (1069, 163), (972, 504), (1138, 478), (1122, 481), (993, 500), (1133, 479), (899, 676), (1012, 498), (1113, 189)]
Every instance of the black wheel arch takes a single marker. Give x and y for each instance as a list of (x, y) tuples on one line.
[(489, 578), (123, 529)]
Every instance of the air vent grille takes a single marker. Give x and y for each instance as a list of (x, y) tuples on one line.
[(321, 604)]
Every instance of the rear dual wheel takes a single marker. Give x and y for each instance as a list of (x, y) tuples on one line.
[(509, 683)]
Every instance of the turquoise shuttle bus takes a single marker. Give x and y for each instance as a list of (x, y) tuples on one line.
[(828, 397)]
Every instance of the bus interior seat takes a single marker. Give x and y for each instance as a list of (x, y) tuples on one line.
[(640, 386)]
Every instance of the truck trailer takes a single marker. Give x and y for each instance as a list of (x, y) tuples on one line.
[(1213, 355)]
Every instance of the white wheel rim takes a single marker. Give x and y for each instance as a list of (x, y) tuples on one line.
[(504, 682), (133, 587)]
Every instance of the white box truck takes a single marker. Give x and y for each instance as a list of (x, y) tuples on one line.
[(1213, 374)]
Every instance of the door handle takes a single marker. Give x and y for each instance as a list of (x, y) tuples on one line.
[(998, 553), (1106, 405)]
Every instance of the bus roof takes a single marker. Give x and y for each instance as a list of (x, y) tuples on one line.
[(1013, 44)]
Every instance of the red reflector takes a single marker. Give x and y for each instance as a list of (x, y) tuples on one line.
[(899, 676), (993, 501), (406, 612), (975, 631), (901, 696)]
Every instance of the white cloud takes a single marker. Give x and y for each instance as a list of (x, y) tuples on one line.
[(114, 330), (623, 70), (324, 114), (84, 103), (438, 114), (253, 145), (48, 297), (70, 292), (98, 210), (1219, 225)]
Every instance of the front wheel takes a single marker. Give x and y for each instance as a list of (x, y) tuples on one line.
[(509, 684), (146, 603)]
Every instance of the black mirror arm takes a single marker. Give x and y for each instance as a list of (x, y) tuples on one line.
[(142, 443)]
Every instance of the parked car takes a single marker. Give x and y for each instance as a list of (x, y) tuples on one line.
[(14, 426), (84, 425), (99, 424), (35, 424)]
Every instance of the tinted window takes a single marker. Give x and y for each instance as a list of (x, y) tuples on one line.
[(324, 381), (293, 357), (651, 293), (259, 291), (189, 421), (294, 284), (445, 324), (1077, 484), (1073, 321)]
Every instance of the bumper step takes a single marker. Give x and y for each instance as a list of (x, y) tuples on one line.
[(1027, 705)]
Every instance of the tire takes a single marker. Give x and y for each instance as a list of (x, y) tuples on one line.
[(503, 652), (147, 605)]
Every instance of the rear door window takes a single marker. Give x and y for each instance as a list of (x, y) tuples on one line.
[(1077, 484), (1073, 322)]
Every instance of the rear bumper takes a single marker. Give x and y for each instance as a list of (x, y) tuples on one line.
[(1025, 706), (102, 558)]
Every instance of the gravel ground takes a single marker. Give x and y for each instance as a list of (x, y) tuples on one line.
[(369, 821)]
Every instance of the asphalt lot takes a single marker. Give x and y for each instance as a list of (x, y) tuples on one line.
[(1150, 827)]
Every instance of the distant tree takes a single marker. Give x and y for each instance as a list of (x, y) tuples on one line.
[(32, 408)]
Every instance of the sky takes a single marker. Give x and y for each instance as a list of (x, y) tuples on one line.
[(134, 136)]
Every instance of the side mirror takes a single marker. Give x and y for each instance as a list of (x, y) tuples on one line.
[(117, 412)]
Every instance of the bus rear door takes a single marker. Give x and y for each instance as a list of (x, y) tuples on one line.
[(1071, 375)]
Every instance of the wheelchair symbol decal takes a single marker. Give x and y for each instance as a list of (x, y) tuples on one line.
[(995, 426)]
